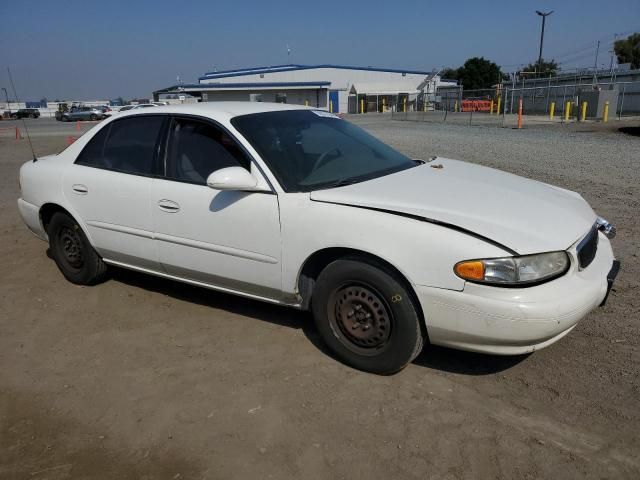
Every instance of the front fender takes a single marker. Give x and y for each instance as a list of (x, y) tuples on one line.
[(423, 252)]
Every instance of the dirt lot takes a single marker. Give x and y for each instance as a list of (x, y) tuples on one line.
[(146, 378)]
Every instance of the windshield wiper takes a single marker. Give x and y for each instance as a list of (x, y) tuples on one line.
[(340, 183)]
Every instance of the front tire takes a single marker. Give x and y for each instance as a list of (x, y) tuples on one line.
[(93, 118), (366, 316), (72, 252)]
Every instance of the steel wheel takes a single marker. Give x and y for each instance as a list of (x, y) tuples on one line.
[(71, 246), (72, 252), (361, 319)]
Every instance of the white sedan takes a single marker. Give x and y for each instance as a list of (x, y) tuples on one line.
[(295, 206)]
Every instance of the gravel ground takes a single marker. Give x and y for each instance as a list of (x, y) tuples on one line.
[(145, 378)]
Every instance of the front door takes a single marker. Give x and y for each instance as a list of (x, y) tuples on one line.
[(228, 239), (109, 187), (334, 106)]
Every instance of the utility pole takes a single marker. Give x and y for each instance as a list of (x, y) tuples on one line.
[(612, 51), (595, 65), (7, 97), (544, 18)]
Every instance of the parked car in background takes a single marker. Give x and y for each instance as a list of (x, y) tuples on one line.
[(105, 110), (81, 113), (26, 113), (295, 206)]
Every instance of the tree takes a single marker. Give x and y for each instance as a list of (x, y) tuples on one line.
[(477, 72), (628, 50), (543, 69), (449, 73)]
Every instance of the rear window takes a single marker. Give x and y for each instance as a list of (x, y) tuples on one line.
[(126, 145)]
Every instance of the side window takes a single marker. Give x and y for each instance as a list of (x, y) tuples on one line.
[(196, 149), (127, 145), (93, 153)]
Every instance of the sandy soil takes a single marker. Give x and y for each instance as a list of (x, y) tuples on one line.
[(145, 378)]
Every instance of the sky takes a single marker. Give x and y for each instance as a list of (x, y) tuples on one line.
[(103, 49)]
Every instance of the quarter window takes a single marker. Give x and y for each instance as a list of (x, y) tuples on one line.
[(197, 149), (126, 145)]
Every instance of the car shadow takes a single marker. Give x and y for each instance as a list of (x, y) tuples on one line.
[(432, 357), (226, 198), (465, 363)]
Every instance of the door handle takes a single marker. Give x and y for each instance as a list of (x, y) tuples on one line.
[(80, 189), (168, 206)]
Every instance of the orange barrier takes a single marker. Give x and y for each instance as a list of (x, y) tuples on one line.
[(476, 105), (18, 134), (70, 140), (520, 113), (78, 126)]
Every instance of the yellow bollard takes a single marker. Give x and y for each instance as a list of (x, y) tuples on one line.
[(424, 106), (552, 110), (330, 106), (499, 101), (455, 106), (567, 111), (583, 113), (404, 106), (605, 113), (306, 103), (383, 105), (361, 105), (491, 107)]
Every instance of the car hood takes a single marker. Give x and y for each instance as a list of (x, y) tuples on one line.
[(524, 215)]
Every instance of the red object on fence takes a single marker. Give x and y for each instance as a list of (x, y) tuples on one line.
[(476, 105)]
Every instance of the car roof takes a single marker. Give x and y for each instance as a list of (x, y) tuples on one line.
[(219, 109)]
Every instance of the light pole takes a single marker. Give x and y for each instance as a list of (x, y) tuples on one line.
[(544, 17), (7, 97)]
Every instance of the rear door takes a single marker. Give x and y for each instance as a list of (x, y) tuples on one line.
[(230, 239), (109, 187)]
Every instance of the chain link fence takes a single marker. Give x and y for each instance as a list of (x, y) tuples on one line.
[(499, 106)]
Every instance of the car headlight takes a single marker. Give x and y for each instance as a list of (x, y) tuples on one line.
[(514, 271)]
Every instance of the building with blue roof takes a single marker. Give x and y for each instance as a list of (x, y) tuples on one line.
[(337, 88)]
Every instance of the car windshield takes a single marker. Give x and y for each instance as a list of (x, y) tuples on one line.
[(312, 149)]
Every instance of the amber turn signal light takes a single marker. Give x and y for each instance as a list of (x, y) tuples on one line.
[(471, 270)]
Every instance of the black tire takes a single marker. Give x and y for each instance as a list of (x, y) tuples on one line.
[(72, 252), (366, 316), (32, 115), (93, 118)]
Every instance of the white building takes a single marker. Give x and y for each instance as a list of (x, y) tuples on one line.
[(337, 88)]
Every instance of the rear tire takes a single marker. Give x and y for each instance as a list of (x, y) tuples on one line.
[(366, 316), (72, 252), (93, 118)]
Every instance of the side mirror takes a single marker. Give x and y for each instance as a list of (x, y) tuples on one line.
[(233, 178)]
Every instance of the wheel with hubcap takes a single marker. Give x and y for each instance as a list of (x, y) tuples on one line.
[(72, 252), (367, 316), (93, 117)]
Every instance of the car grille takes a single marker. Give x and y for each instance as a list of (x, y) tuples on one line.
[(587, 248)]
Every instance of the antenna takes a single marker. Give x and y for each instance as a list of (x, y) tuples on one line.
[(24, 124)]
